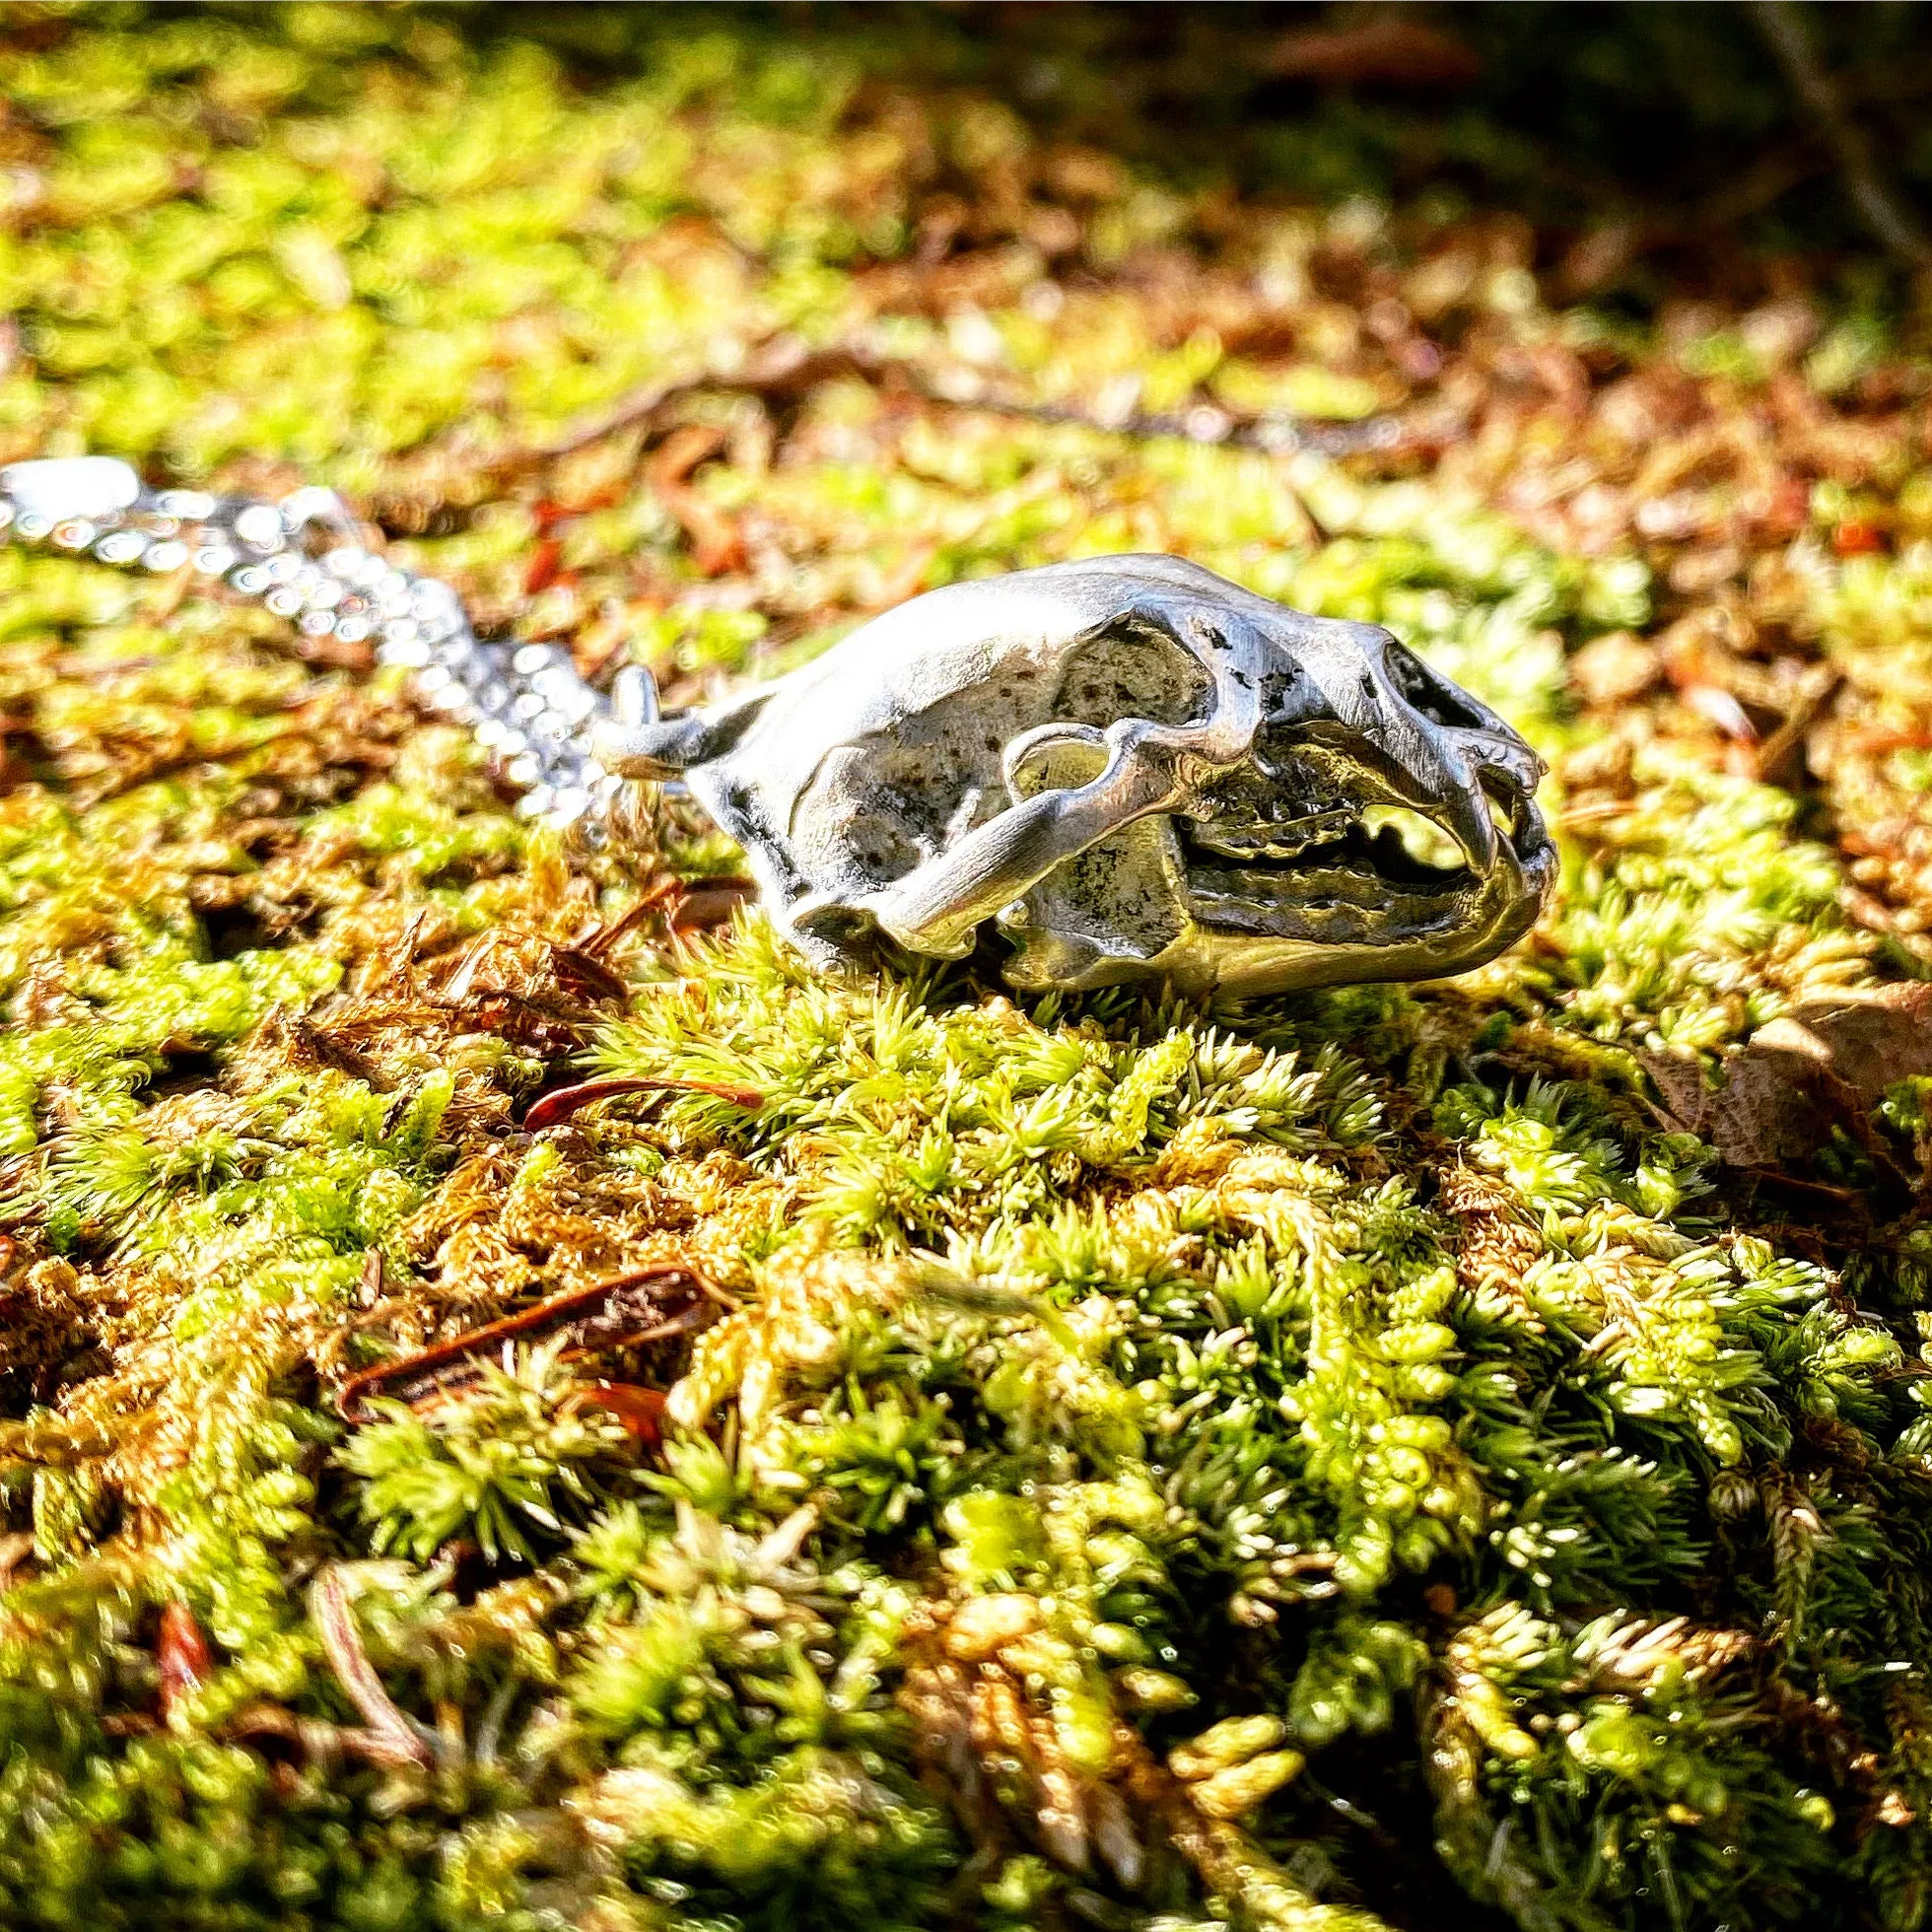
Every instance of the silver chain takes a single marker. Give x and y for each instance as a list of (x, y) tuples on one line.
[(303, 559)]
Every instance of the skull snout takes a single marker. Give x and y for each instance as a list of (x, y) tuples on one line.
[(1442, 782), (1406, 738)]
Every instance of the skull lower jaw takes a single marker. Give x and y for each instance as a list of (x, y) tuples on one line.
[(1254, 930)]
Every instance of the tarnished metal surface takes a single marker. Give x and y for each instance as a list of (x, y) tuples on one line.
[(1134, 768)]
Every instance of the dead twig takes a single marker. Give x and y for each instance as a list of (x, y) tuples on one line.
[(586, 977), (599, 944), (1789, 38), (557, 1107), (1818, 687), (784, 366), (388, 1735), (651, 1304)]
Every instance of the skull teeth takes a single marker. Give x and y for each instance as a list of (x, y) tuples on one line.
[(1279, 842)]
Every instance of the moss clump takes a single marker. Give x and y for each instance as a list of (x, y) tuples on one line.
[(1388, 1459)]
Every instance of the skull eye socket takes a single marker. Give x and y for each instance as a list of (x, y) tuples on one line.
[(1422, 689), (1133, 670)]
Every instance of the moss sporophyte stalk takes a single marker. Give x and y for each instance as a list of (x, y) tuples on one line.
[(520, 1402)]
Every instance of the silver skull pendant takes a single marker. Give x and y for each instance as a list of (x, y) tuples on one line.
[(1135, 770)]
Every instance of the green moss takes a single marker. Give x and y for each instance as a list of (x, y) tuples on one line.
[(512, 1462)]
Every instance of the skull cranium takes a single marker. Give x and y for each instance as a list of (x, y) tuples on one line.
[(1136, 769)]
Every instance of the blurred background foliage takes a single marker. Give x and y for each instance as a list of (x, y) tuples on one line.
[(1682, 122)]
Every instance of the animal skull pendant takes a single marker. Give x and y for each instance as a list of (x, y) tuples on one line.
[(1134, 768)]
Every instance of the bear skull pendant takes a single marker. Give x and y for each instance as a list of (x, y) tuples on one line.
[(1134, 768)]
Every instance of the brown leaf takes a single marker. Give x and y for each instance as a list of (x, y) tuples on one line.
[(715, 546), (585, 976), (1775, 1108), (1770, 1106), (545, 565), (1799, 1075), (1869, 1038), (711, 903), (185, 1663), (641, 1411)]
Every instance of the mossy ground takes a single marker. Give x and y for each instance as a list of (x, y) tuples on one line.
[(1449, 1457)]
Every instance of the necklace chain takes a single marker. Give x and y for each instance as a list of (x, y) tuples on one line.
[(303, 559)]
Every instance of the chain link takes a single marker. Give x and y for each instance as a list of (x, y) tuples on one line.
[(303, 558)]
